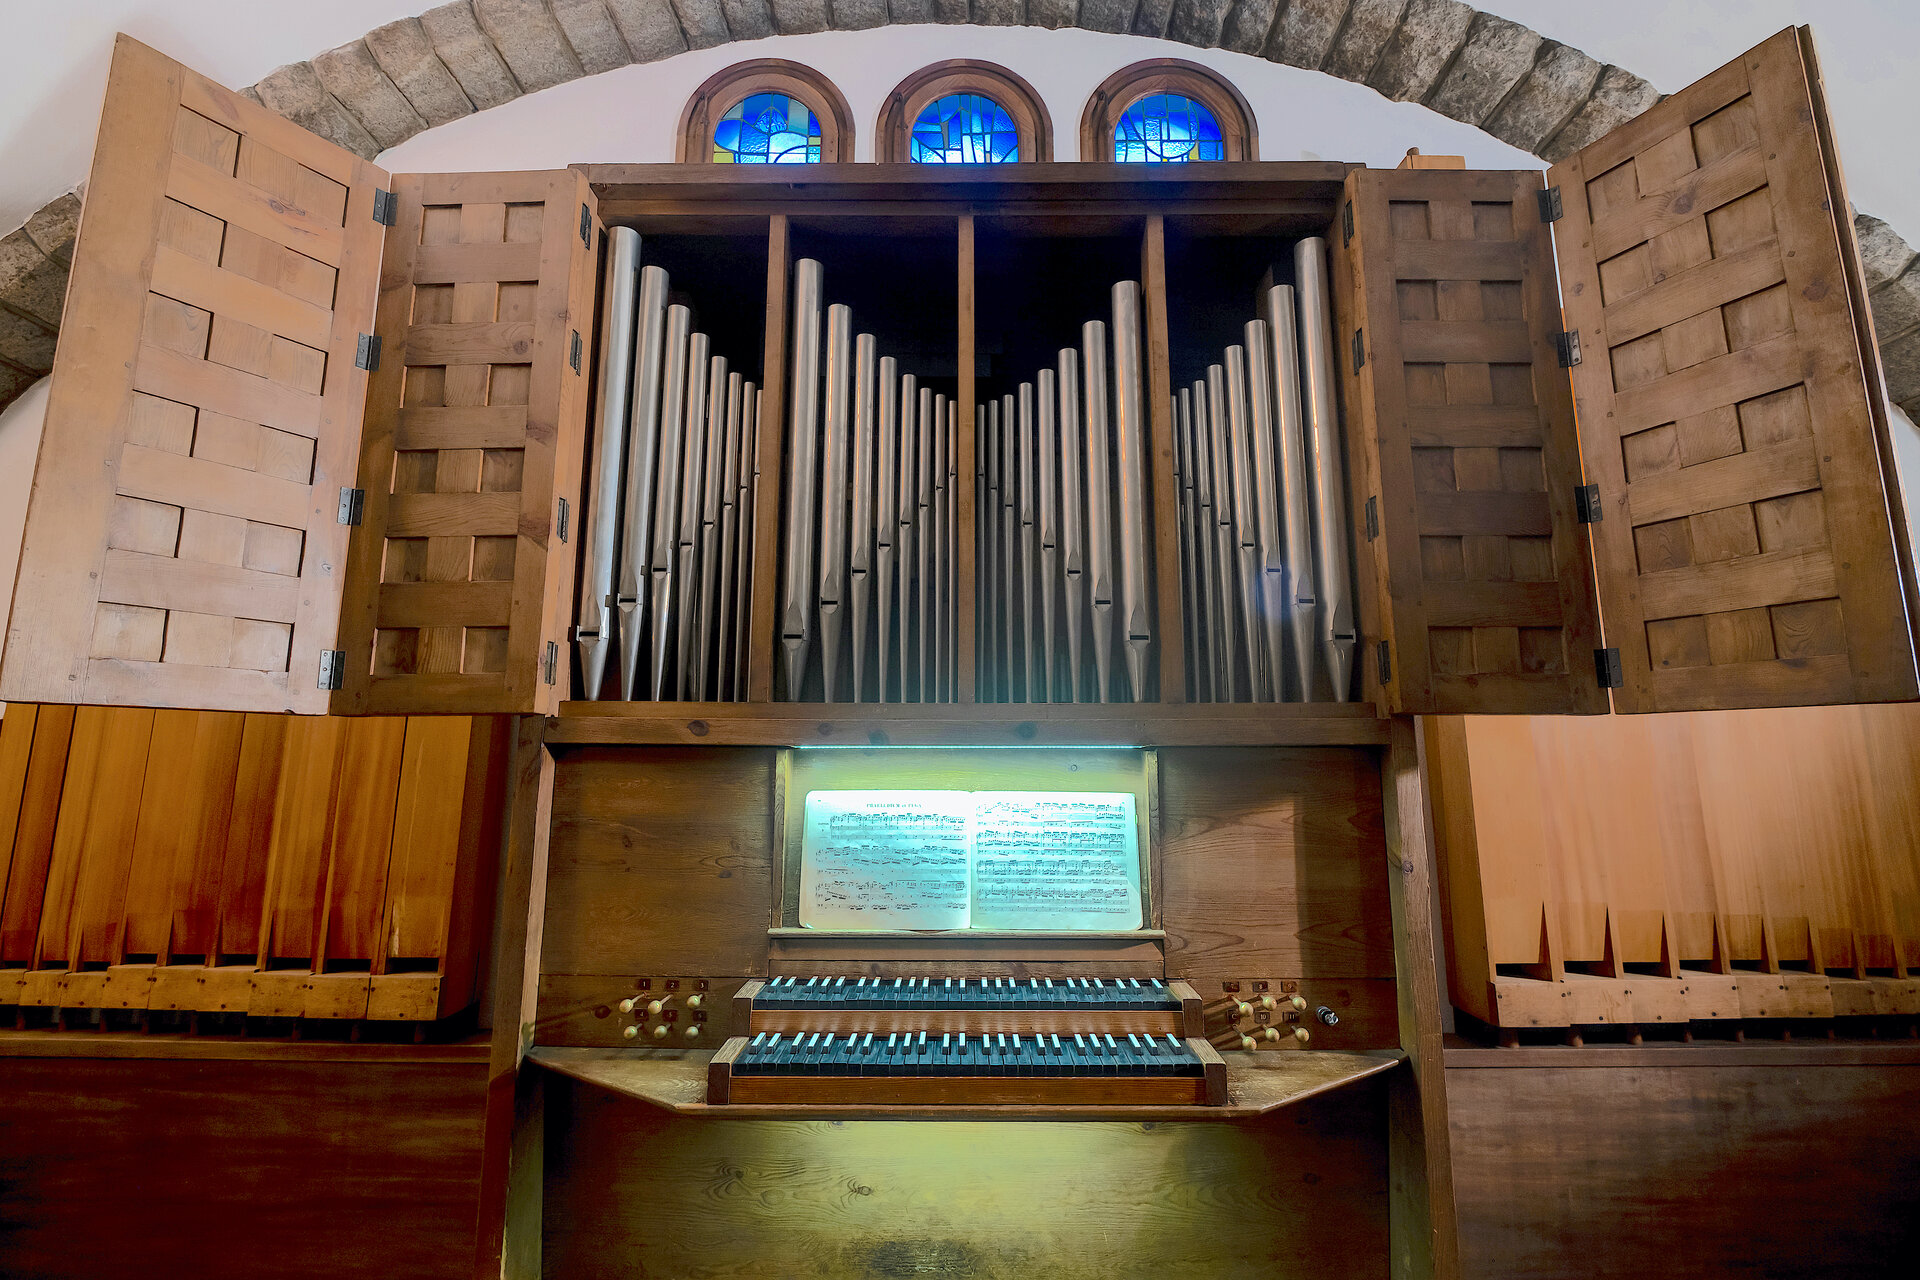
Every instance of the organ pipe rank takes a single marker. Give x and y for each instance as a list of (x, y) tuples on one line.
[(666, 571)]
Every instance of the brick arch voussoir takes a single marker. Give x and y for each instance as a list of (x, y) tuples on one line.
[(399, 80)]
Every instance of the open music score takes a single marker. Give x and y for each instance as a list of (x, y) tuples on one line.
[(945, 860)]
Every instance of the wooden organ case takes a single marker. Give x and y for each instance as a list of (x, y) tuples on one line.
[(318, 442)]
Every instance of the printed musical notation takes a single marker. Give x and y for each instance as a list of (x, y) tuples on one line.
[(885, 860), (981, 860)]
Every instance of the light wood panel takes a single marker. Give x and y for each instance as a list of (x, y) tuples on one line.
[(1460, 416), (461, 581), (259, 864), (1667, 868), (181, 545), (1753, 548)]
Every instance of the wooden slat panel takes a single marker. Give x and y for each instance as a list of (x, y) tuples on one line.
[(56, 941), (303, 815), (1729, 402), (168, 795), (1463, 435), (212, 789), (492, 427), (230, 341), (100, 890), (33, 833), (243, 874), (474, 433), (16, 752), (228, 293), (362, 837)]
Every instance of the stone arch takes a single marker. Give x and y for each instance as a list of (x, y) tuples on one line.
[(402, 78)]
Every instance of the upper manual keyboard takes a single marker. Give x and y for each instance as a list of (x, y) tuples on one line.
[(1080, 995)]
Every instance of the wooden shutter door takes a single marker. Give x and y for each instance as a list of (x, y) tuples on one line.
[(182, 547), (1730, 402), (460, 581), (1465, 464)]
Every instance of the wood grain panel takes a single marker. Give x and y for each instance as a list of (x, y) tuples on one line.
[(1269, 864), (1466, 446), (325, 1169), (474, 436), (1730, 403), (662, 862), (208, 332), (1001, 1200), (1623, 1172)]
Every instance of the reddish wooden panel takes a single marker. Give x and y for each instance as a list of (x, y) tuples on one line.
[(33, 833), (181, 546), (1461, 424), (1752, 552)]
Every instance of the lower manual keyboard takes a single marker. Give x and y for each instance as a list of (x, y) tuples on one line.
[(946, 1068)]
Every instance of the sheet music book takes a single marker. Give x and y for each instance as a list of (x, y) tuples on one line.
[(1065, 860)]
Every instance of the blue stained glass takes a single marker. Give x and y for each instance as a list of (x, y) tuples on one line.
[(767, 128), (964, 128), (1166, 128)]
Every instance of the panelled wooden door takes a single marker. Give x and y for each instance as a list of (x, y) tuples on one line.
[(182, 545), (1730, 402), (474, 436), (1464, 463)]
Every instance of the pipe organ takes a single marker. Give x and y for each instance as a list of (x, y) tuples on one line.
[(979, 683)]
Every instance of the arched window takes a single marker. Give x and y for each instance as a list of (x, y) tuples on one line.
[(1166, 111), (769, 111), (1167, 128), (962, 112)]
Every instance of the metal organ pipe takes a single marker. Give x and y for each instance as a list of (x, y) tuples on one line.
[(738, 389), (1226, 553), (1009, 456), (860, 555), (923, 538), (593, 633), (1207, 553), (903, 516), (1029, 519), (1270, 580), (721, 387), (666, 506), (1100, 583), (1129, 408), (886, 519), (797, 596), (1049, 433), (700, 366), (643, 455), (1245, 521), (1073, 540), (1295, 498), (832, 592), (1332, 578)]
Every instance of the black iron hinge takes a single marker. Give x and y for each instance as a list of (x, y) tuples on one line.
[(333, 668), (1386, 664), (573, 356), (1373, 518), (586, 227), (1359, 351), (366, 352), (353, 505), (1552, 209), (1346, 224), (1586, 503), (1606, 668), (550, 664), (1568, 346), (560, 520), (386, 209)]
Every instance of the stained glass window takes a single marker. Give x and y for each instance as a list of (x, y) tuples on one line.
[(964, 128), (1167, 128), (767, 128)]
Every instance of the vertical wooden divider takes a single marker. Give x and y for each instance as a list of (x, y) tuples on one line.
[(772, 455), (1423, 1234), (1166, 491), (508, 1239), (964, 569)]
